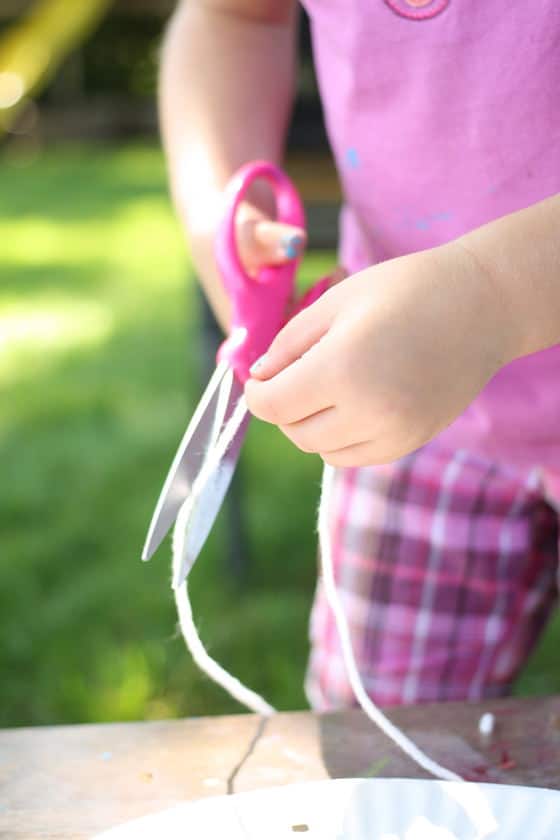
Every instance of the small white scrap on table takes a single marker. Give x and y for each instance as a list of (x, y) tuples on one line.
[(486, 723)]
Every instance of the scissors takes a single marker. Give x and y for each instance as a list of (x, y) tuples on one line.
[(259, 306)]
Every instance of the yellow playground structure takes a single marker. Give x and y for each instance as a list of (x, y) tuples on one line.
[(33, 48)]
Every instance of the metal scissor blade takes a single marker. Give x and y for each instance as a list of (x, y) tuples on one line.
[(207, 506), (189, 457)]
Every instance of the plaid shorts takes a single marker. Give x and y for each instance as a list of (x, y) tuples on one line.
[(446, 567)]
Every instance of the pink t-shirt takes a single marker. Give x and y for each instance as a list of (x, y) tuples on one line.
[(444, 115)]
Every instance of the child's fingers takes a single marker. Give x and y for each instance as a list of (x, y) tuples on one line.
[(297, 392), (280, 242), (360, 455), (263, 242)]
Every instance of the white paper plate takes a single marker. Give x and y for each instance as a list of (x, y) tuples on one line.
[(359, 809)]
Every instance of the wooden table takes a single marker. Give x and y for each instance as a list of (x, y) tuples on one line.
[(74, 781)]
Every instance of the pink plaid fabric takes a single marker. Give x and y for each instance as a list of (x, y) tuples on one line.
[(446, 568)]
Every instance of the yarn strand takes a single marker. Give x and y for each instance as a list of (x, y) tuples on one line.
[(371, 710), (209, 666), (231, 684)]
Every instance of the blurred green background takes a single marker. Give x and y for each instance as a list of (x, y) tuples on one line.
[(101, 363)]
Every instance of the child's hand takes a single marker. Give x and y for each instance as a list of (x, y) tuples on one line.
[(261, 241), (385, 360)]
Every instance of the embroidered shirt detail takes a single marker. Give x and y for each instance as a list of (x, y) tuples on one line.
[(417, 9)]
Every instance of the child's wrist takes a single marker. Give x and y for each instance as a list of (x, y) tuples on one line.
[(504, 327)]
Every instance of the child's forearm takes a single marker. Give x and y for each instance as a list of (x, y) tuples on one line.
[(520, 254), (226, 89)]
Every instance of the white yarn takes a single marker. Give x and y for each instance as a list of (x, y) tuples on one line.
[(370, 709), (213, 669), (230, 683), (204, 661)]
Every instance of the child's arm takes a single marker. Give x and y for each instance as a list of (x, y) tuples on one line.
[(226, 90), (520, 254), (391, 356)]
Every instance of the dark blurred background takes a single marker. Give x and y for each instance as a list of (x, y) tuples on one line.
[(105, 345), (104, 84)]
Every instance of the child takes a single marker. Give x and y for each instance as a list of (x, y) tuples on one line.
[(431, 375)]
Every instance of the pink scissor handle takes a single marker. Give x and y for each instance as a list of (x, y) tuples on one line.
[(259, 304)]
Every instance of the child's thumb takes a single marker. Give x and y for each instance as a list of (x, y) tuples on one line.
[(263, 242)]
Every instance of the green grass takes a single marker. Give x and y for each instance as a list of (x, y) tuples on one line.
[(99, 371)]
